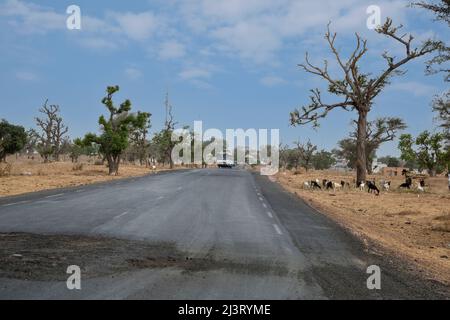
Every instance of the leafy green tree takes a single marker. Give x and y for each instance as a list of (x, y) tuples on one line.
[(12, 139), (347, 150), (138, 136), (323, 160), (357, 90), (390, 161), (441, 106), (116, 128), (76, 149), (163, 139), (378, 132), (305, 153), (426, 149)]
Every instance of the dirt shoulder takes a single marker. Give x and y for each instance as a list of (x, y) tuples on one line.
[(27, 176), (413, 226)]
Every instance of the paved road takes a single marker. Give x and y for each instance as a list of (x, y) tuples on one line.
[(276, 247)]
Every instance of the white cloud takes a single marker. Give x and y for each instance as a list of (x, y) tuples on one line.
[(198, 75), (138, 26), (250, 40), (171, 50), (29, 18), (133, 73), (257, 30), (195, 73), (26, 76), (272, 81)]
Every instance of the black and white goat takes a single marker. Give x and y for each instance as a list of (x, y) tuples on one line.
[(372, 187)]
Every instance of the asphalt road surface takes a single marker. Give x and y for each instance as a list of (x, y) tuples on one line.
[(250, 238)]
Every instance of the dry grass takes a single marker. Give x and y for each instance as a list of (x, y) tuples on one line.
[(28, 175), (412, 225)]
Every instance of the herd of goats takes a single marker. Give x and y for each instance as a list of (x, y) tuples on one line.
[(371, 185)]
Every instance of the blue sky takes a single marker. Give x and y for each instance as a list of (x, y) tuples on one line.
[(229, 63)]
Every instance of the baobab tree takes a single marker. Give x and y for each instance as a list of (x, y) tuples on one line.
[(356, 89), (440, 62), (379, 131), (52, 132)]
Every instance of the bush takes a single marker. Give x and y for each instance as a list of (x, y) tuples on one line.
[(77, 167), (5, 170)]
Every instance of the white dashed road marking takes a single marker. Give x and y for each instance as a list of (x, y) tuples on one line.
[(264, 205), (277, 229), (121, 215), (55, 195), (14, 203), (269, 214)]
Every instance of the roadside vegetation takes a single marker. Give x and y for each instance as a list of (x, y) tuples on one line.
[(404, 211)]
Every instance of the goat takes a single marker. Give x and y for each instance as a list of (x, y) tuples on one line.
[(324, 183), (329, 185), (372, 187), (362, 186), (315, 184), (407, 184), (420, 187), (337, 186), (306, 185), (386, 185)]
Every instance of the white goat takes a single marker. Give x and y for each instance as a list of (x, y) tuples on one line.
[(362, 186), (337, 186), (420, 188)]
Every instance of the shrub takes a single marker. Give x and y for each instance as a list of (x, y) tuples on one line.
[(77, 167), (5, 170)]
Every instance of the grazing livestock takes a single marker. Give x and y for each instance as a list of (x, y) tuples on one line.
[(362, 186), (324, 183), (315, 184), (407, 184), (372, 187), (333, 185), (421, 186), (337, 186), (306, 185), (386, 185)]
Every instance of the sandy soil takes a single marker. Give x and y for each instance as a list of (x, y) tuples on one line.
[(410, 224), (32, 175)]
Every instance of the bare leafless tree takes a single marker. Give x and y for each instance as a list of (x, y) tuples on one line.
[(356, 89), (52, 132)]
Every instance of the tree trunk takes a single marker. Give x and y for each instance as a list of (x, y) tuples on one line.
[(170, 160), (113, 166), (361, 161), (368, 165)]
